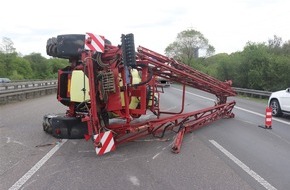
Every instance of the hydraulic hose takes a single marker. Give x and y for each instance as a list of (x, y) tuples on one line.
[(149, 71)]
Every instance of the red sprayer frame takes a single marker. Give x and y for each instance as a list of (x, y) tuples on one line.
[(112, 91)]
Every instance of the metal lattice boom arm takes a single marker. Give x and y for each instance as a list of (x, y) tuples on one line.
[(178, 72)]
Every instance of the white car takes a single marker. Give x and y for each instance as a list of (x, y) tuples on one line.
[(5, 80), (280, 102)]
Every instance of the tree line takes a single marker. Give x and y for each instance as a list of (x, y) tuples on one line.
[(34, 66), (260, 65)]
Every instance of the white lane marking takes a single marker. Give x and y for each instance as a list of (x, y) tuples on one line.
[(253, 174), (262, 115), (36, 167), (195, 95), (249, 111)]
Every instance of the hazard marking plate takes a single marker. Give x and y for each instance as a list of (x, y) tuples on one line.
[(94, 42), (106, 141)]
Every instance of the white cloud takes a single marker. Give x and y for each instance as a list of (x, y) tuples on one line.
[(228, 25)]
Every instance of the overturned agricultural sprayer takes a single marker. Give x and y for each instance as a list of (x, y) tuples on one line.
[(104, 82)]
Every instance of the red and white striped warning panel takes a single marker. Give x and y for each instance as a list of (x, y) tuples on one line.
[(94, 42), (104, 142), (268, 119)]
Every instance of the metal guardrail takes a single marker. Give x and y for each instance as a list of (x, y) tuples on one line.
[(253, 93), (27, 84), (19, 91)]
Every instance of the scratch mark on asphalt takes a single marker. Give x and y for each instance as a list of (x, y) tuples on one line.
[(17, 142), (85, 151), (156, 155), (283, 139), (134, 180)]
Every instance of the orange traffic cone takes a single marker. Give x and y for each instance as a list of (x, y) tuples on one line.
[(268, 119)]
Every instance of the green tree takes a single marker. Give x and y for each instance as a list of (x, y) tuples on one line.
[(57, 64), (277, 46), (22, 69), (187, 45), (286, 48), (2, 65), (39, 66), (279, 73), (254, 69), (275, 43), (223, 67), (7, 46), (7, 63)]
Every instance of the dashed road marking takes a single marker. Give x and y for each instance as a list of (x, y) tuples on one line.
[(252, 173), (36, 167)]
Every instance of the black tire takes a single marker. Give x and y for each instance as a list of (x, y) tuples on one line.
[(276, 109), (51, 47), (46, 124)]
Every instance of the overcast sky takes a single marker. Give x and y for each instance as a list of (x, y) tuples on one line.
[(227, 24)]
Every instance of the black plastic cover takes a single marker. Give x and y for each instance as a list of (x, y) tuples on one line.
[(70, 45), (68, 127)]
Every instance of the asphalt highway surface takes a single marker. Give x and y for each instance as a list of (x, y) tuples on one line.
[(229, 154)]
